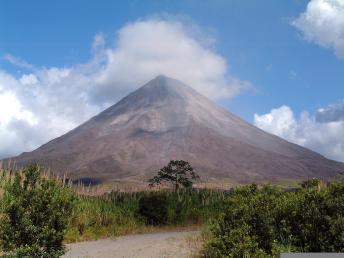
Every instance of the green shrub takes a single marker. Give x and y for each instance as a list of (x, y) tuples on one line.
[(264, 222), (35, 215), (234, 243), (154, 209)]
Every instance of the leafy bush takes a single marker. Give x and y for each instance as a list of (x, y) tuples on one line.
[(35, 215), (154, 208), (264, 222)]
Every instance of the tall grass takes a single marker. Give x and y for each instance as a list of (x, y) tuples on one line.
[(116, 213)]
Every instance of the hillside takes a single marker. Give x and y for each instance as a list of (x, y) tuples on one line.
[(166, 119)]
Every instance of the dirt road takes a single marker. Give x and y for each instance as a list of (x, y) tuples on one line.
[(155, 245)]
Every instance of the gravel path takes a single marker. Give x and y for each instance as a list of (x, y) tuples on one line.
[(156, 245)]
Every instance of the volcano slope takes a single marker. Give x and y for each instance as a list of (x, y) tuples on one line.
[(164, 120)]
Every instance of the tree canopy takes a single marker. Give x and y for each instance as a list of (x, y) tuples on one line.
[(177, 172)]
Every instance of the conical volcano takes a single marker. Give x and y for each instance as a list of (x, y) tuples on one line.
[(164, 120)]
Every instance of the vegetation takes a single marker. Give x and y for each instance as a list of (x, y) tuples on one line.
[(38, 214), (34, 215), (119, 213), (154, 209), (264, 222), (178, 173)]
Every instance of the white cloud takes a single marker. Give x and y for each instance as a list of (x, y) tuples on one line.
[(148, 48), (18, 62), (334, 112), (323, 23), (37, 108), (48, 102), (28, 79), (280, 121), (11, 108), (323, 135)]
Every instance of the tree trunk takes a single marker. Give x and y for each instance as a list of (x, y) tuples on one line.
[(176, 184), (176, 187)]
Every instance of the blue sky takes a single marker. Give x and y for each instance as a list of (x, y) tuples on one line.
[(284, 66), (257, 40)]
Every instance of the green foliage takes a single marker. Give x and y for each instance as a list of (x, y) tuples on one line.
[(264, 222), (94, 217), (314, 182), (34, 215), (177, 172), (238, 243), (117, 213), (154, 209), (37, 213)]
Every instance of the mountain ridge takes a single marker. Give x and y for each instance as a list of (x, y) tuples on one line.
[(166, 119)]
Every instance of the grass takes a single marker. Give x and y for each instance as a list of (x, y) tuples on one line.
[(99, 215), (233, 214), (96, 214), (116, 213)]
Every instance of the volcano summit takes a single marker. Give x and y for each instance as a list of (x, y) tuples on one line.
[(166, 119)]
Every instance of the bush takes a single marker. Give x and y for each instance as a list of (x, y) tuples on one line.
[(35, 215), (154, 209), (264, 222)]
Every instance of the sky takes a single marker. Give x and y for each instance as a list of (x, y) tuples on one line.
[(276, 64)]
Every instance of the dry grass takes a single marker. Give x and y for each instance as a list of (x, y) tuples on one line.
[(195, 244)]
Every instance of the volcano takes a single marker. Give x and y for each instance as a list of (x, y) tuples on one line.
[(164, 120)]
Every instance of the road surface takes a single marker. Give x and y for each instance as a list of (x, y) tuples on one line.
[(153, 245)]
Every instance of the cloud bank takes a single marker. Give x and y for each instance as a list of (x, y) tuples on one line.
[(46, 102), (322, 132), (323, 23)]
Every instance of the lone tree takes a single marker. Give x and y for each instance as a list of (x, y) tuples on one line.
[(177, 172)]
